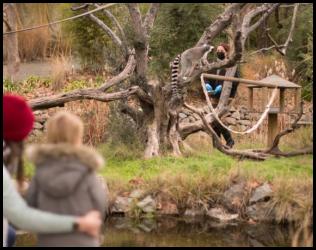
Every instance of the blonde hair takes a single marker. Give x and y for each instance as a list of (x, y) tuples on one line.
[(64, 127)]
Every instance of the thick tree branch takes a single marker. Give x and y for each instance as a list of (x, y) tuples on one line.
[(239, 39), (267, 12), (97, 94), (80, 94), (222, 64), (127, 72), (136, 19), (117, 24), (150, 17), (289, 38), (219, 24), (110, 32), (282, 48), (121, 44), (114, 20)]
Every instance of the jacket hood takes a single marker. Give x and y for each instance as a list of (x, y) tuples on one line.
[(61, 167)]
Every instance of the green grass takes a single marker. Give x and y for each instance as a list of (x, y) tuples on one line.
[(126, 164), (200, 178)]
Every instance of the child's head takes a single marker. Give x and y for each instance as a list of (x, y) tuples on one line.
[(65, 127)]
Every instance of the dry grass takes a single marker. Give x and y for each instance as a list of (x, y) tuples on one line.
[(305, 135), (61, 69), (42, 42), (34, 44), (94, 116), (292, 199)]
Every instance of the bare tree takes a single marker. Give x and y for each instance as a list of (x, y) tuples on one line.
[(158, 119)]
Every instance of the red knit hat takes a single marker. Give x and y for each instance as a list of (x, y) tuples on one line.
[(18, 118)]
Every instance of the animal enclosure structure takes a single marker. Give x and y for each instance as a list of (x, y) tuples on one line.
[(271, 82)]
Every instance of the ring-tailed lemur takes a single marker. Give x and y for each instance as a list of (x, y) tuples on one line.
[(187, 62)]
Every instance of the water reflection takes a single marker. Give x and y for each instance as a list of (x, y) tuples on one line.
[(170, 231)]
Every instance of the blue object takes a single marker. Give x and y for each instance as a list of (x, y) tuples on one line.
[(11, 237), (218, 89), (208, 88)]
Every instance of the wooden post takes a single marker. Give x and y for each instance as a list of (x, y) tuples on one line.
[(297, 99), (272, 127), (282, 90), (250, 99)]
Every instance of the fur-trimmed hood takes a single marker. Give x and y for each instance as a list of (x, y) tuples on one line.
[(60, 168), (86, 155)]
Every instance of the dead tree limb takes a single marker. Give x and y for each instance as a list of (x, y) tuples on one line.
[(110, 32), (128, 70), (282, 48), (267, 9), (121, 44), (115, 21), (289, 38), (60, 99), (118, 26), (150, 17), (136, 19), (219, 24), (80, 94)]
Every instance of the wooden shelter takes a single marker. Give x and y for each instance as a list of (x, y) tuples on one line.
[(282, 85), (270, 82)]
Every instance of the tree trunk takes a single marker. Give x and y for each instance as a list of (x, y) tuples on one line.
[(11, 42)]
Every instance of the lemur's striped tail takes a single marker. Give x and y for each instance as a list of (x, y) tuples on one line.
[(174, 76)]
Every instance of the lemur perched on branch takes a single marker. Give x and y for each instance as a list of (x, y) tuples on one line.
[(187, 61)]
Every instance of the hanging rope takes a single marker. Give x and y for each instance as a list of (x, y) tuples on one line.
[(263, 116), (63, 20)]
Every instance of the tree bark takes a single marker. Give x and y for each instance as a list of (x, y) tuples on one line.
[(11, 42)]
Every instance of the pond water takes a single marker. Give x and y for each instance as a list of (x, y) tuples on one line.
[(170, 231)]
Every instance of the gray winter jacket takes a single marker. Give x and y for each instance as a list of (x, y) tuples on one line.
[(65, 183)]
